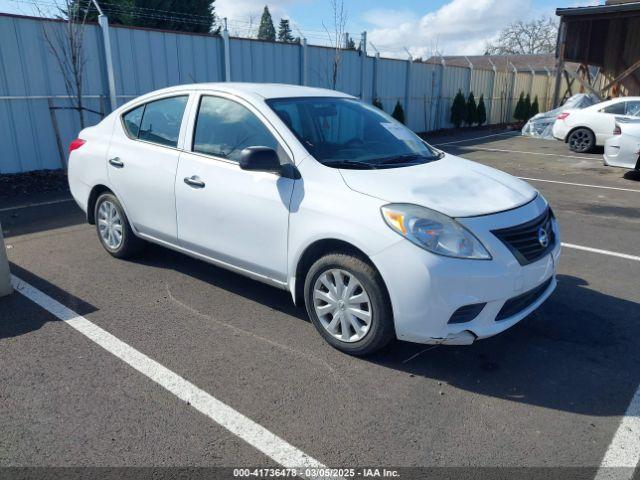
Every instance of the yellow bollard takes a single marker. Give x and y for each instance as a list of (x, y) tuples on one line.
[(5, 278)]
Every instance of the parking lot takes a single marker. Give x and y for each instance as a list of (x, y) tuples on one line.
[(202, 365)]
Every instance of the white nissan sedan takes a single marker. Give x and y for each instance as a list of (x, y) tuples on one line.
[(623, 148), (377, 233), (583, 129)]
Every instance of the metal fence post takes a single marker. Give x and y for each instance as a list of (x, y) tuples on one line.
[(227, 52), (470, 73), (304, 77), (103, 21), (546, 90), (443, 65), (491, 92), (363, 63), (407, 88), (513, 92), (5, 277)]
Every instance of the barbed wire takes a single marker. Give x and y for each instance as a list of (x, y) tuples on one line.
[(239, 25)]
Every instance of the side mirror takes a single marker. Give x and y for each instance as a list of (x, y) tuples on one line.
[(260, 159)]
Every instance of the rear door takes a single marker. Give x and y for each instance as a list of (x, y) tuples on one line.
[(142, 162)]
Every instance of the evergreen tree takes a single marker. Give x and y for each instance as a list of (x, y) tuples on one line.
[(527, 108), (284, 31), (377, 103), (351, 44), (398, 112), (471, 113), (266, 31), (535, 107), (186, 16), (519, 112), (458, 109), (482, 111)]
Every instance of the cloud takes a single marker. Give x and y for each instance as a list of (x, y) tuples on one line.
[(460, 27)]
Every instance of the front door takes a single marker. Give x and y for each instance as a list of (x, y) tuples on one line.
[(237, 217)]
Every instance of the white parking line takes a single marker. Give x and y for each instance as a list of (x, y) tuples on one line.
[(235, 422), (513, 134), (39, 204), (626, 256), (624, 450), (579, 184), (528, 153)]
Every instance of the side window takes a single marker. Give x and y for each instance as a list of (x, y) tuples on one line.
[(224, 128), (616, 108), (162, 119), (131, 121), (633, 109)]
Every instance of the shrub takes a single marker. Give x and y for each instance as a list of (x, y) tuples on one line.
[(471, 113), (398, 112), (458, 109), (482, 111), (520, 113), (377, 103), (527, 107), (535, 107)]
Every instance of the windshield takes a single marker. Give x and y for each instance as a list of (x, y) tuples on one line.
[(347, 133)]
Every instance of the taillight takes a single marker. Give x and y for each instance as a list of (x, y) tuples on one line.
[(562, 116), (617, 130), (76, 144)]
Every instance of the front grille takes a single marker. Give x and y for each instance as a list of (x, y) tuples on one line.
[(525, 240), (521, 302), (467, 313)]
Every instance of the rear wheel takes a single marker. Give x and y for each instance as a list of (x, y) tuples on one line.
[(581, 140), (348, 304), (113, 228)]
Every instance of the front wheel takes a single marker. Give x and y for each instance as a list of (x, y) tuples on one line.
[(581, 140), (348, 304), (113, 228)]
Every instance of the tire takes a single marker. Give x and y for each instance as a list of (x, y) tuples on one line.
[(124, 245), (581, 140), (322, 310)]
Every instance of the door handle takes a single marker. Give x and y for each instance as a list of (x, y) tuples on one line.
[(194, 181), (116, 162)]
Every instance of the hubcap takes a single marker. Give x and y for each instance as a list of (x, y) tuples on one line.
[(580, 140), (342, 305), (110, 225)]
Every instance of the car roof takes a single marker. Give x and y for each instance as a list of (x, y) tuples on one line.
[(264, 90)]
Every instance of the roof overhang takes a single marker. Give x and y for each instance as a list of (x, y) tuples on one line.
[(599, 10)]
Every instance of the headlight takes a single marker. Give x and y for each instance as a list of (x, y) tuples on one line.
[(433, 231)]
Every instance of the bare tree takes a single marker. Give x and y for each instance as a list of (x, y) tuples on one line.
[(66, 44), (534, 37), (336, 34)]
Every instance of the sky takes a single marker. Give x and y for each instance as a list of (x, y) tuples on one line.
[(452, 27)]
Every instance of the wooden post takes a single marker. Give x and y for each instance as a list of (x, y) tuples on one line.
[(562, 36), (56, 131), (5, 277)]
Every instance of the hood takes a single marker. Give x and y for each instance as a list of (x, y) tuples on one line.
[(451, 185)]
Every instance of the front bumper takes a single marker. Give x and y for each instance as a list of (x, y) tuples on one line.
[(427, 289)]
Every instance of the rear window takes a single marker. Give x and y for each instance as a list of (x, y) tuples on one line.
[(131, 121), (616, 108), (157, 122), (162, 119)]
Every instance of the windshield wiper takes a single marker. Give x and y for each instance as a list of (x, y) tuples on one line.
[(406, 158), (349, 164)]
